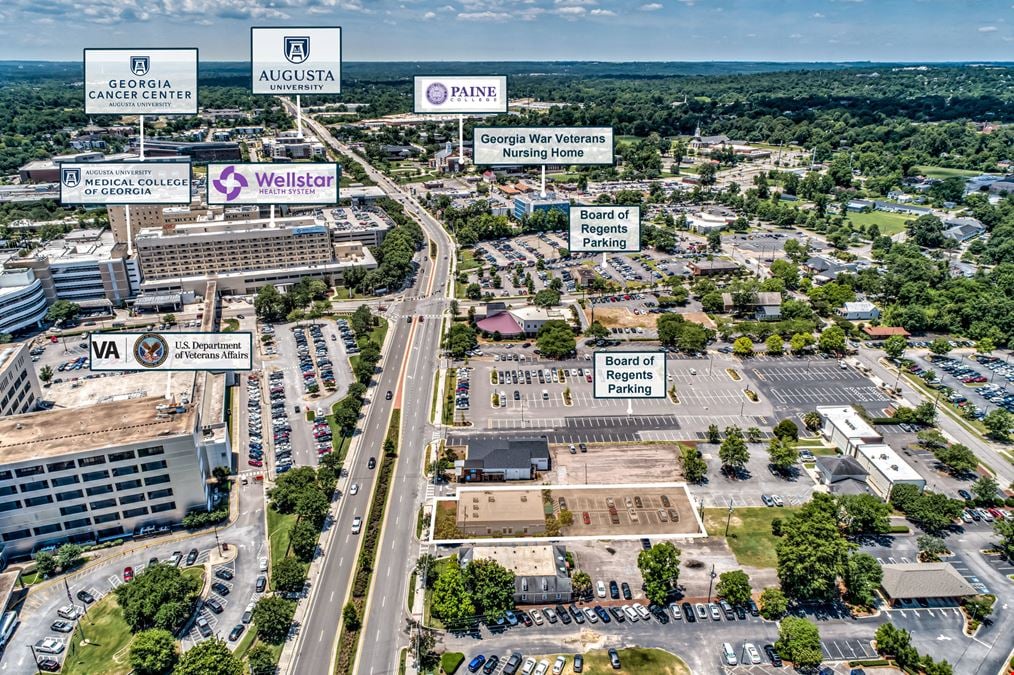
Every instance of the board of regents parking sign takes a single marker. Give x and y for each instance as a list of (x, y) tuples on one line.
[(273, 183)]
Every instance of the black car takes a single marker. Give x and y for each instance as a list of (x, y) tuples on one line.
[(614, 590), (152, 561), (625, 587), (214, 605), (740, 612), (262, 583), (389, 395), (564, 615), (646, 544), (966, 495), (372, 464), (49, 665), (773, 656), (62, 626), (513, 663), (659, 613), (491, 664), (236, 631), (526, 619), (220, 588), (618, 614), (754, 609), (578, 663), (688, 612), (577, 614), (224, 573), (603, 614), (85, 597)]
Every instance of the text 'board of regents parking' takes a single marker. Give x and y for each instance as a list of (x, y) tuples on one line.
[(140, 81), (171, 351), (267, 183), (605, 229), (125, 182), (461, 94), (520, 146), (296, 60), (629, 375)]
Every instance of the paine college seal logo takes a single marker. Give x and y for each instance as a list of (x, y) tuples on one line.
[(151, 350), (436, 93)]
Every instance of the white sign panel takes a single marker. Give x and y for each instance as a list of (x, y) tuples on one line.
[(265, 183), (605, 229), (140, 81), (461, 94), (520, 146), (629, 375), (296, 60), (171, 351), (125, 182)]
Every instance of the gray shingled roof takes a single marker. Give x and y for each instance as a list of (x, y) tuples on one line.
[(924, 580), (497, 453)]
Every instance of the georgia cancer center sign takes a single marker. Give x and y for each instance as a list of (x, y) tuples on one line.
[(461, 94), (296, 60), (267, 183), (140, 81)]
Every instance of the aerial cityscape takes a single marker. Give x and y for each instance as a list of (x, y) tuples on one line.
[(514, 337)]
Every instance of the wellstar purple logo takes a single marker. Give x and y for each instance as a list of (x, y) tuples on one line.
[(230, 183)]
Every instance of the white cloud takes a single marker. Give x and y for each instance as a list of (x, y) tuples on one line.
[(818, 15), (575, 2), (570, 12), (429, 15), (988, 29), (651, 7), (795, 36), (602, 12), (483, 16)]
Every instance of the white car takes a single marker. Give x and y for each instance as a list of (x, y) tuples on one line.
[(600, 588), (592, 616), (528, 667), (751, 653), (642, 611), (357, 524), (777, 500), (536, 617), (729, 655), (561, 663), (631, 613), (354, 489), (50, 645), (542, 668), (263, 564), (677, 613)]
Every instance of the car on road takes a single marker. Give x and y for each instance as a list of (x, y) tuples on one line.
[(389, 395), (773, 657), (128, 573), (357, 524), (512, 665), (614, 658), (220, 588), (85, 597), (203, 627), (50, 645), (236, 631), (476, 663), (262, 583), (372, 463), (214, 605), (966, 495), (751, 653), (354, 489), (62, 626)]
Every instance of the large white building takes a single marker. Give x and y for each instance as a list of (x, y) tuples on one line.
[(843, 427), (19, 387), (23, 302), (886, 468)]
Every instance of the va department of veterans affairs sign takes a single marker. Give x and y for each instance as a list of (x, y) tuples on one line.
[(171, 351)]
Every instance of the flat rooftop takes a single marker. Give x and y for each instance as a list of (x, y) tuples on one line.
[(889, 462), (75, 391), (524, 561), (79, 245), (7, 354), (494, 506), (846, 419), (69, 431)]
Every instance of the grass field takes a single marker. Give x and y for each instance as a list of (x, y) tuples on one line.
[(750, 535), (943, 172), (889, 223), (632, 662), (108, 635), (466, 260), (279, 526)]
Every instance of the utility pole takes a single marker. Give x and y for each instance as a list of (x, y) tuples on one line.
[(728, 520), (711, 581), (38, 667)]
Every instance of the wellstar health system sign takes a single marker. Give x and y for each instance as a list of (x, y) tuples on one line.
[(296, 60), (265, 183), (461, 94)]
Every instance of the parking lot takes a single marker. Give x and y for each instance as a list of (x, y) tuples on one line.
[(635, 509), (978, 380), (797, 385)]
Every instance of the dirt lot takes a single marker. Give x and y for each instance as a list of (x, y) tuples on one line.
[(640, 510), (622, 317), (641, 462)]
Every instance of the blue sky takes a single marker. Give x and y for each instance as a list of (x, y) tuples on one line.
[(464, 30)]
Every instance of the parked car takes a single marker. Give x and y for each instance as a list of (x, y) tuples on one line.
[(614, 658), (262, 583), (50, 645), (85, 597), (476, 663), (128, 574), (62, 626), (220, 588), (214, 605)]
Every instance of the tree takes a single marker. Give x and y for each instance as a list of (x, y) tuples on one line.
[(210, 657), (998, 423), (555, 339), (800, 342), (491, 587), (773, 603), (451, 602), (473, 291), (546, 298), (303, 539), (714, 435), (159, 597), (862, 577), (892, 641), (782, 454), (940, 346), (753, 435), (273, 617), (786, 430), (581, 582), (169, 319), (706, 176), (45, 563), (832, 340), (362, 320), (312, 505), (734, 587), (863, 514), (895, 346), (597, 330), (743, 347), (931, 511), (775, 345), (695, 468), (958, 458), (985, 346), (69, 555), (288, 575), (984, 489), (261, 660), (660, 569), (62, 311), (153, 652), (46, 374), (1004, 529), (812, 420), (799, 642), (811, 552), (350, 616), (460, 339), (931, 548), (979, 607), (733, 452)]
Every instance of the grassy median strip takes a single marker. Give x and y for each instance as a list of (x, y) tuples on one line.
[(348, 642), (450, 385)]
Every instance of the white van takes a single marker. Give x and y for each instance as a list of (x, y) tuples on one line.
[(729, 654), (7, 625)]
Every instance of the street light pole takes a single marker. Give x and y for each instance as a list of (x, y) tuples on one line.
[(711, 581), (38, 667), (728, 520)]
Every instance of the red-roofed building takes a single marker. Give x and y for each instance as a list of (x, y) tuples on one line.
[(502, 323), (880, 332)]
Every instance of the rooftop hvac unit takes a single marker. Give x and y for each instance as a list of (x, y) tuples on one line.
[(491, 498), (524, 498)]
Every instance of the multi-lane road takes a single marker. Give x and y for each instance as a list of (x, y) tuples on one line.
[(407, 370)]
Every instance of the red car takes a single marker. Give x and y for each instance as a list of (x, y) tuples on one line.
[(255, 462), (586, 518), (128, 573)]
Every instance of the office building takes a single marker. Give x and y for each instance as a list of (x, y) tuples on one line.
[(526, 205), (843, 427), (19, 387), (500, 513), (23, 302), (500, 459), (540, 572), (886, 469)]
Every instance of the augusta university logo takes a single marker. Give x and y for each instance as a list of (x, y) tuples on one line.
[(151, 350), (70, 177), (230, 183), (297, 49), (139, 65), (436, 93)]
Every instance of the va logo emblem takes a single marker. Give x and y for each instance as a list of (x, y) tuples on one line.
[(70, 177), (151, 350), (297, 49), (139, 65), (105, 349)]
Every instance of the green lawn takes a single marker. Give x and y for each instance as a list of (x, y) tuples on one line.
[(279, 526), (450, 384), (108, 635), (943, 172), (466, 260), (230, 325), (377, 335), (889, 223), (634, 661), (750, 535)]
